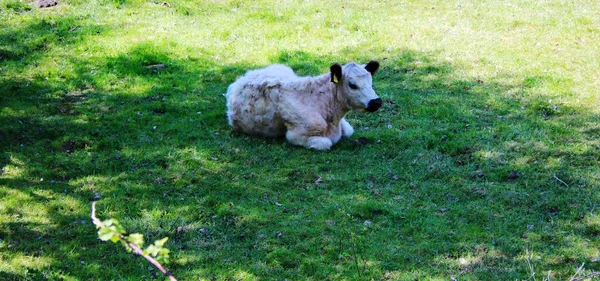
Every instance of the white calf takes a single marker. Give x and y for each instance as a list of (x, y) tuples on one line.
[(308, 111)]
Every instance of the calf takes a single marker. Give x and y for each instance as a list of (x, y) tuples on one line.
[(308, 111)]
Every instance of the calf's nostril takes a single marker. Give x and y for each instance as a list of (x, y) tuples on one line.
[(377, 102), (374, 104)]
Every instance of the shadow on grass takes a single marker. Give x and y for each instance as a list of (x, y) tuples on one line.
[(452, 168)]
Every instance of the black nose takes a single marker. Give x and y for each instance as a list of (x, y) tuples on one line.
[(374, 105)]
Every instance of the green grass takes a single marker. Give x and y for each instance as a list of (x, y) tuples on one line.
[(481, 165)]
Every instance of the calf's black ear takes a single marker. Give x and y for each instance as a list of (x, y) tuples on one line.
[(372, 67), (336, 73)]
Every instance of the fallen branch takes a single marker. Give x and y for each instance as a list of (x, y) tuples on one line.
[(133, 247)]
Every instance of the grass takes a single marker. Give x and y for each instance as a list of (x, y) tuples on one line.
[(481, 165)]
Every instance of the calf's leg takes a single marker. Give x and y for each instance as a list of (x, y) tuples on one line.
[(347, 129), (319, 143), (315, 142), (309, 133)]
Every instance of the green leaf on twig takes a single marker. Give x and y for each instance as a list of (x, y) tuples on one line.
[(136, 238), (156, 250), (161, 242), (105, 234)]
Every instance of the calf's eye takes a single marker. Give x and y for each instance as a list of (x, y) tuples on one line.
[(352, 86)]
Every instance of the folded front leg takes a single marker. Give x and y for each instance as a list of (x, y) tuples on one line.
[(310, 134), (347, 129), (319, 143)]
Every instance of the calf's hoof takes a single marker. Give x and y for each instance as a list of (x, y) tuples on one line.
[(319, 143), (347, 129)]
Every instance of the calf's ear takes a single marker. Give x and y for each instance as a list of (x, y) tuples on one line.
[(372, 67), (336, 73)]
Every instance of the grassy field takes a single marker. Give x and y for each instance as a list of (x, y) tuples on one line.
[(482, 163)]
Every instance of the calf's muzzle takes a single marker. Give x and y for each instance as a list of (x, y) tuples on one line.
[(374, 104)]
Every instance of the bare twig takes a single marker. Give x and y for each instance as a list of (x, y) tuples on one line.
[(95, 220), (561, 181), (135, 248)]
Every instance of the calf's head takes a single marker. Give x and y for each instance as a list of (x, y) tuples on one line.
[(356, 83)]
